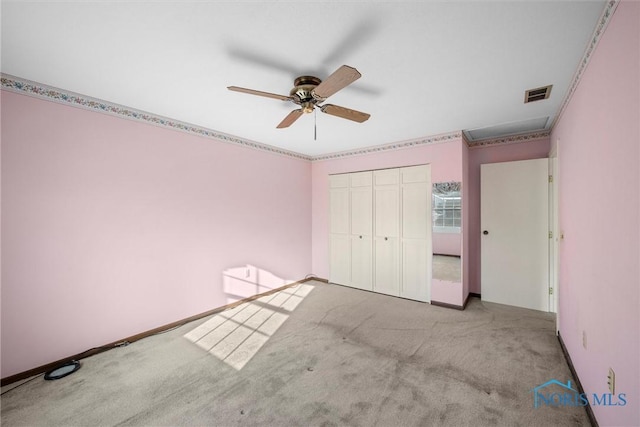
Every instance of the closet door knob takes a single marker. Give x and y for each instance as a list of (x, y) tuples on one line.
[(386, 238), (485, 232), (361, 237)]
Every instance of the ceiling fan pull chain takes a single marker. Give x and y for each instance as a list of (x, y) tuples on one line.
[(315, 114)]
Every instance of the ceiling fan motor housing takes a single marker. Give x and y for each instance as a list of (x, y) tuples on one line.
[(302, 93)]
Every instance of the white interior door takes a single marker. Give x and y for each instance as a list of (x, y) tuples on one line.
[(515, 233)]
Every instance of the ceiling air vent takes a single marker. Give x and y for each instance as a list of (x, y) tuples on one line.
[(537, 94)]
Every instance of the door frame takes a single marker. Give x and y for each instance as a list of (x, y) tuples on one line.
[(554, 227)]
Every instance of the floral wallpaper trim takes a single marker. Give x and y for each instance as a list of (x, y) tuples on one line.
[(16, 84), (508, 139), (393, 146), (595, 38)]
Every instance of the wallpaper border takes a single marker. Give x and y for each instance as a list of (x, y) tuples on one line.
[(42, 91), (514, 139), (604, 20), (49, 93)]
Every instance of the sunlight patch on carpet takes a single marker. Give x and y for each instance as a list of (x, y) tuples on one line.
[(236, 335)]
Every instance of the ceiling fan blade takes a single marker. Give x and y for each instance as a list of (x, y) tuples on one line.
[(345, 113), (259, 93), (340, 79), (291, 117)]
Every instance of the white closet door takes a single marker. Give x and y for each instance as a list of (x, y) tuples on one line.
[(339, 204), (361, 262), (381, 231), (340, 237), (361, 204), (361, 230), (387, 266), (386, 241), (340, 259), (415, 273), (416, 232)]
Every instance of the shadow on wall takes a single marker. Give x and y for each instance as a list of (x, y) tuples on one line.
[(244, 282), (236, 335)]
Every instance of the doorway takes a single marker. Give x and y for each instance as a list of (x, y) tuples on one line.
[(514, 216)]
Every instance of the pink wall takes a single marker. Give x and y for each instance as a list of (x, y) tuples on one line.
[(112, 227), (446, 165), (599, 186), (447, 243), (492, 154)]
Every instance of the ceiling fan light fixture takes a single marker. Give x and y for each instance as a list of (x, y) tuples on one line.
[(307, 107)]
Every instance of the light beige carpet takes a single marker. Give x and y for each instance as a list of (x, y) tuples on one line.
[(317, 355)]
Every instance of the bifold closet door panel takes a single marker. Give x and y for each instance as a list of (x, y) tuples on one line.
[(386, 249), (361, 217), (339, 237), (339, 204), (386, 266), (386, 203), (361, 197), (415, 270), (416, 212), (340, 259), (362, 262), (361, 242), (416, 232)]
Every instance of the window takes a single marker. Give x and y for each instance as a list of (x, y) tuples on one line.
[(446, 207)]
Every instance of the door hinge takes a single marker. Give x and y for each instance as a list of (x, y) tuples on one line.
[(550, 291), (550, 178), (551, 234)]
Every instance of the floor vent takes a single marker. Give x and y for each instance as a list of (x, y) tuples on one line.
[(537, 94)]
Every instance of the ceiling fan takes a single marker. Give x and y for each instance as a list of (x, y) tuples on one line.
[(309, 92)]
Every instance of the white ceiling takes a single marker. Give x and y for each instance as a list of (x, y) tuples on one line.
[(428, 68)]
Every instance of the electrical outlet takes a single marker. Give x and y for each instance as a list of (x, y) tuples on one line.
[(611, 381), (584, 339)]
